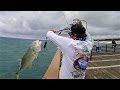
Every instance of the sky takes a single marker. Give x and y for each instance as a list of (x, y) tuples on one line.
[(35, 24)]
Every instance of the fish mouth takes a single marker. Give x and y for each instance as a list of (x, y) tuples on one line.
[(38, 42)]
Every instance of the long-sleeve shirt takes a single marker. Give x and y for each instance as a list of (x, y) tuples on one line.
[(68, 47)]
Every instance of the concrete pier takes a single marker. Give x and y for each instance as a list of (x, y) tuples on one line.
[(53, 69)]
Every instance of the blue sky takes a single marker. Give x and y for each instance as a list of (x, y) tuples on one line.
[(35, 24)]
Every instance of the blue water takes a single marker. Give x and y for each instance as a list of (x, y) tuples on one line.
[(11, 50)]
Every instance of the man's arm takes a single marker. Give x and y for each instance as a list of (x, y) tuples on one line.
[(60, 41), (90, 41)]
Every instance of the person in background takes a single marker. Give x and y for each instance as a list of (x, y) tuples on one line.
[(76, 51), (98, 47), (114, 44)]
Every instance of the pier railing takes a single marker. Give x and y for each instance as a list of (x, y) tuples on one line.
[(108, 48), (53, 69)]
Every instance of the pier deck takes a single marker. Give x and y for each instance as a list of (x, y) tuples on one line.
[(104, 66)]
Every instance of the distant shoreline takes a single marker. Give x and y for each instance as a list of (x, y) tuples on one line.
[(23, 38), (117, 39)]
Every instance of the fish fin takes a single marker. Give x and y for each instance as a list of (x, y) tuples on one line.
[(36, 56), (17, 75), (19, 59)]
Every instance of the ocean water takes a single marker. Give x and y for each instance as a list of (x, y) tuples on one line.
[(11, 52)]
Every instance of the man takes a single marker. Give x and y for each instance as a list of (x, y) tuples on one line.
[(114, 45), (75, 50), (98, 47)]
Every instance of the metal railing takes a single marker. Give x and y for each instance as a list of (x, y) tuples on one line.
[(107, 48)]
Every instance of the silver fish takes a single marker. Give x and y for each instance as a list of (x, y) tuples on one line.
[(30, 56)]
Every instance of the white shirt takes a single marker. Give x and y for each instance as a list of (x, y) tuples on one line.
[(97, 44), (68, 46)]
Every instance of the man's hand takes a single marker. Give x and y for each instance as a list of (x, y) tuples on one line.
[(53, 30)]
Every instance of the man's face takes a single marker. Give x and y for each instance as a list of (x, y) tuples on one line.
[(73, 35)]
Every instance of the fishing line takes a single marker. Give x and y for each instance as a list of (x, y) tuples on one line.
[(82, 21), (59, 32), (85, 22), (65, 18), (65, 29)]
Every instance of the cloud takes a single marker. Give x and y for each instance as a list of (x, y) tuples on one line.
[(102, 24), (35, 24)]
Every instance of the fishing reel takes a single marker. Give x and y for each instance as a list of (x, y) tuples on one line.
[(68, 28)]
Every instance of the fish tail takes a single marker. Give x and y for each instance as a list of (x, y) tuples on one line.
[(17, 75)]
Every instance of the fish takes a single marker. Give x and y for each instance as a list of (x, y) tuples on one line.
[(30, 55)]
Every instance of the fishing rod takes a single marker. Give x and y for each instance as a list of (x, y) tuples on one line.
[(60, 31), (85, 22), (67, 28), (65, 18)]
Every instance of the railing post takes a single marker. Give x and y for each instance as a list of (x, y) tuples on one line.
[(91, 56), (114, 48), (106, 47)]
